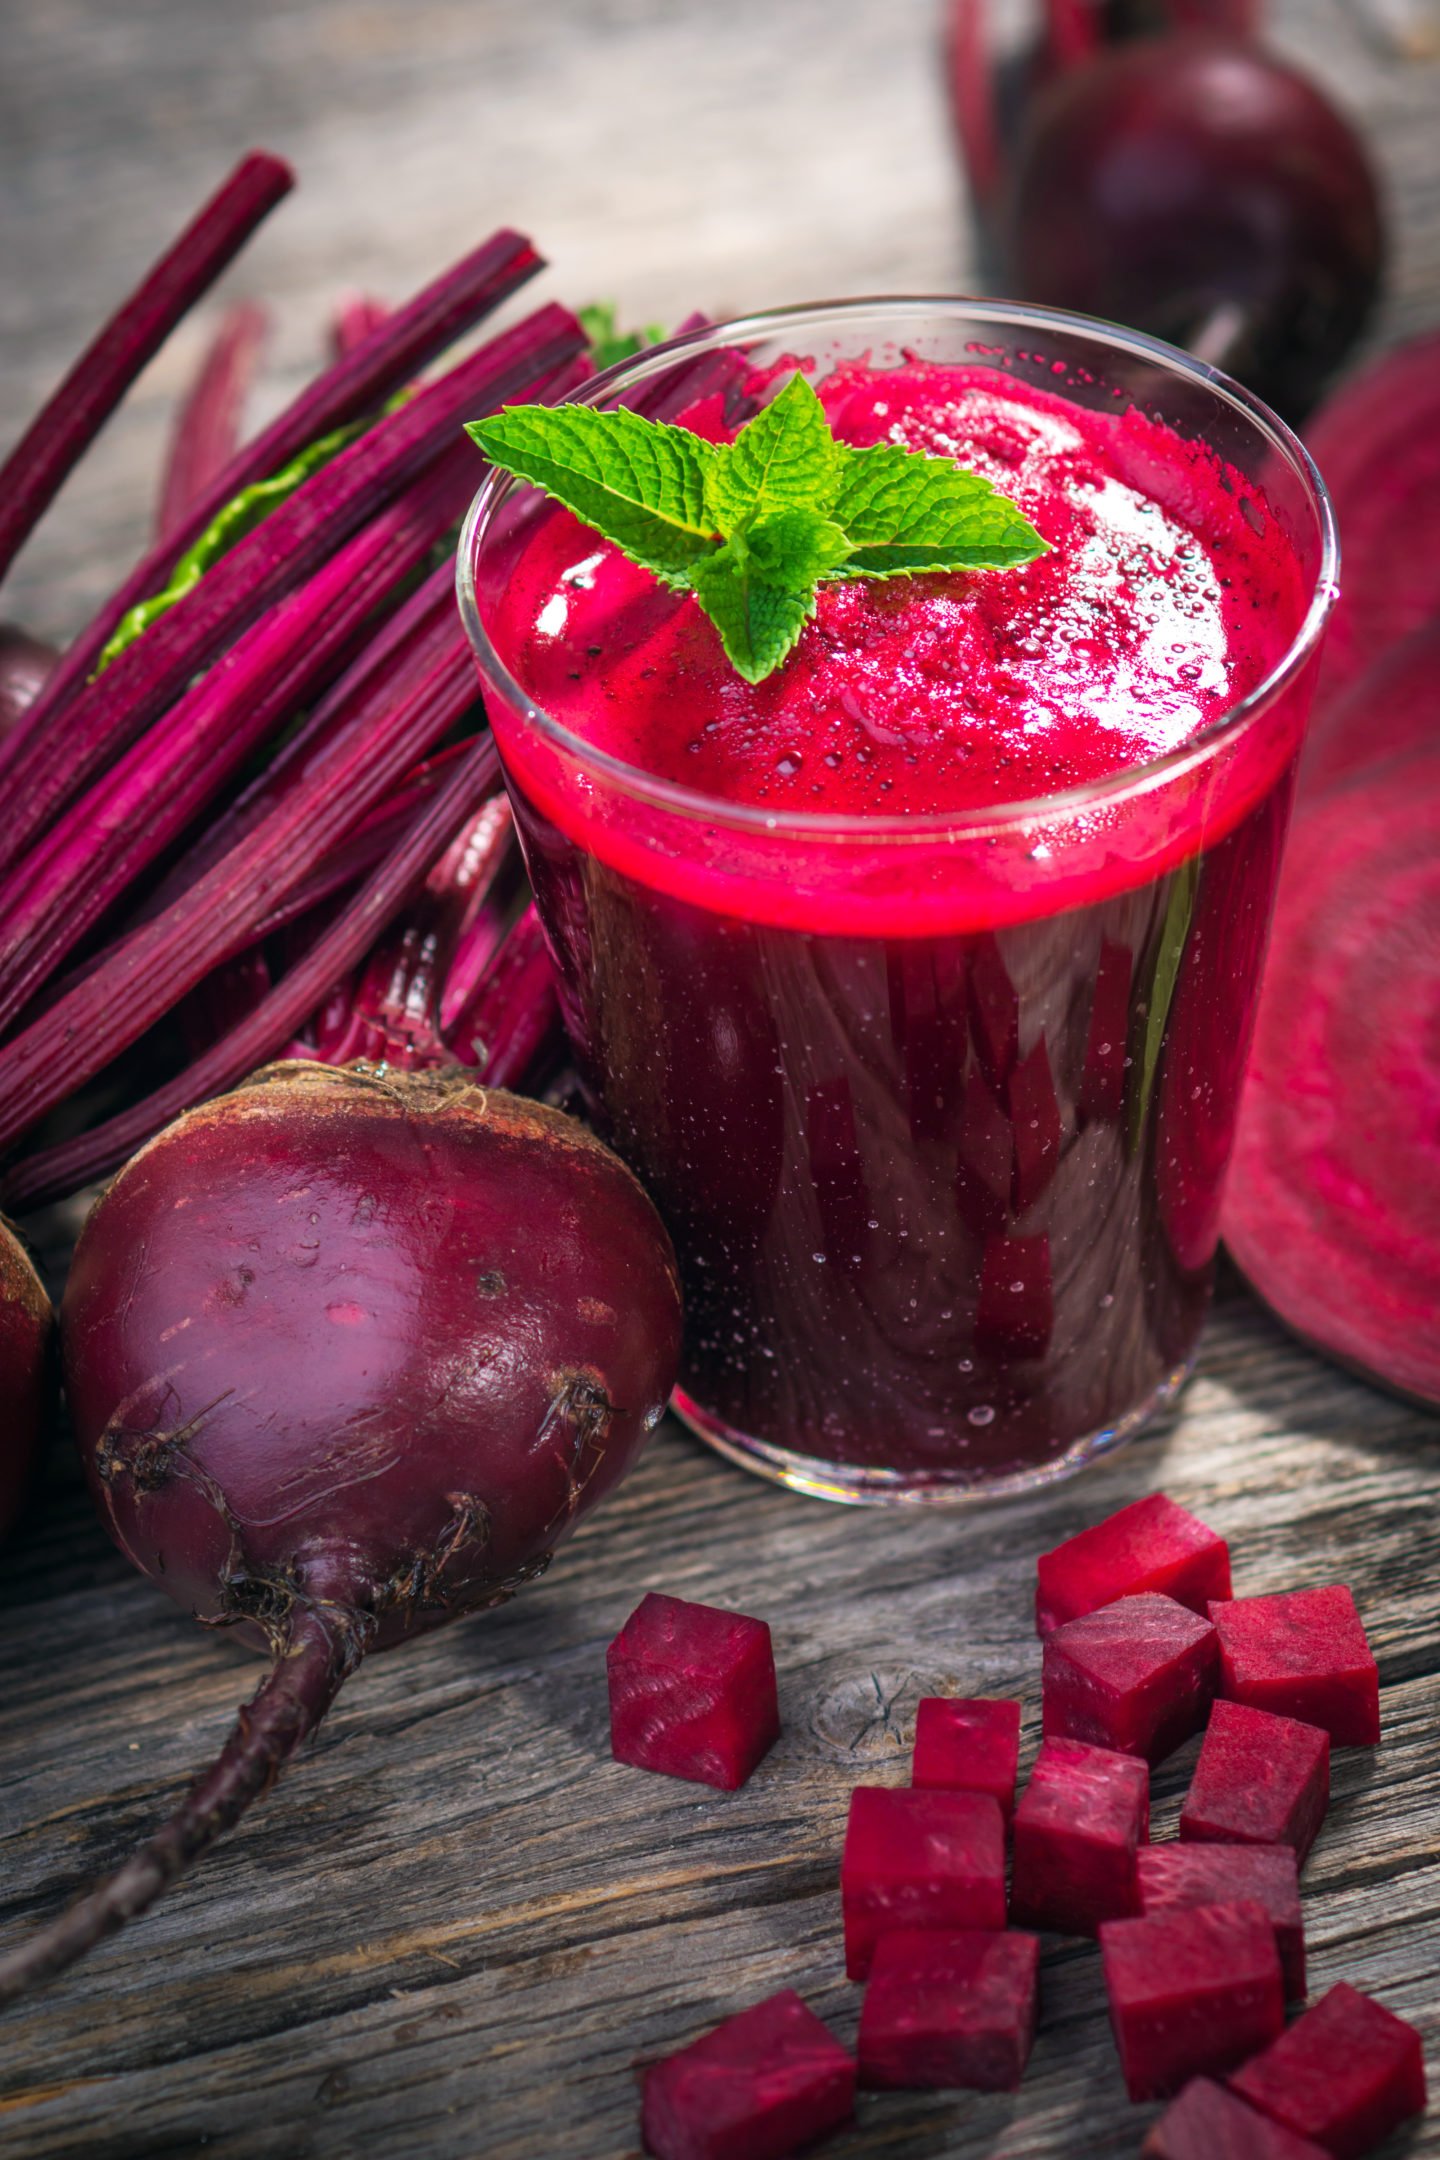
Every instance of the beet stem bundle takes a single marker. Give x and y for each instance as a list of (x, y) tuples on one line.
[(207, 432)]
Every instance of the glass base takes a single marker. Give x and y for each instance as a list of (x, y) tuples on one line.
[(857, 1485)]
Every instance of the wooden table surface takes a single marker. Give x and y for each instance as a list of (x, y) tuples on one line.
[(457, 1926)]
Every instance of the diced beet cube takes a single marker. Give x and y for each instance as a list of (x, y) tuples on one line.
[(692, 1691), (1137, 1676), (1154, 1544), (1344, 2075), (1259, 1780), (755, 2088), (943, 2010), (1208, 2123), (1191, 1992), (1302, 1654), (919, 1860), (1080, 1820), (968, 1746), (1172, 1877)]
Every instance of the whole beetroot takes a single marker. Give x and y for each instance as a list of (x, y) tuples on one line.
[(26, 1375), (349, 1352)]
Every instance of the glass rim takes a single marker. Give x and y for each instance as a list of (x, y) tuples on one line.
[(693, 803)]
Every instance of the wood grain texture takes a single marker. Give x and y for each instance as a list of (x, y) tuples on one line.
[(457, 1926)]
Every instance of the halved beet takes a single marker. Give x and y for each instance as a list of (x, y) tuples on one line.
[(1345, 2074), (1209, 2123), (1260, 1780), (1377, 443), (1154, 1544), (1302, 1654), (1175, 1877), (767, 2080), (968, 1746), (1333, 1204), (1137, 1676), (692, 1691), (1191, 1992)]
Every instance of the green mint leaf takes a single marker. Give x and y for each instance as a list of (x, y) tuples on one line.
[(641, 483), (759, 622), (1154, 1011), (905, 512), (230, 524), (608, 343), (784, 459), (794, 548)]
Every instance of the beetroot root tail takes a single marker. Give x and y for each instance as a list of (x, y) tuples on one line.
[(309, 1670)]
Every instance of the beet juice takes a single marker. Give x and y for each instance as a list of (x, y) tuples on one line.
[(916, 980)]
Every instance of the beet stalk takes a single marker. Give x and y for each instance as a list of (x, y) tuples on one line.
[(490, 1372), (270, 562), (26, 664), (26, 1375), (207, 431), (357, 383), (65, 427)]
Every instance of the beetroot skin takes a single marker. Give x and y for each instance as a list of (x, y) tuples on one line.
[(766, 2081), (1302, 1654), (1172, 1878), (1138, 1676), (349, 1352), (1154, 1544), (1209, 2123), (968, 1746), (949, 2010), (692, 1692), (1260, 1780), (1344, 2075), (1191, 1992), (919, 1860), (1081, 1819), (27, 1378)]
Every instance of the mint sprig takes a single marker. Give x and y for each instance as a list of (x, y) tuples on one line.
[(754, 526)]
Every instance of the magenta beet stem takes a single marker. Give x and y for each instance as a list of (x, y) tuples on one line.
[(404, 342), (91, 858), (74, 414), (356, 317), (514, 1009), (207, 430), (270, 562), (321, 1650), (972, 102), (65, 1169)]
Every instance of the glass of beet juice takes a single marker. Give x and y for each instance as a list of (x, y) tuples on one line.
[(916, 981)]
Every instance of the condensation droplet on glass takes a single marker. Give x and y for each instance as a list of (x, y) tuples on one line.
[(818, 1258), (1107, 1301), (982, 1414)]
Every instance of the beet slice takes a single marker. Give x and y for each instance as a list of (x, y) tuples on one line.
[(1154, 1544), (1377, 442), (1138, 1676), (692, 1691), (950, 2009), (1190, 1992), (1171, 1878), (1209, 2123), (1081, 1818), (767, 2080), (1260, 1780), (1344, 2075), (1333, 1206), (919, 1860), (968, 1745), (1393, 708), (1302, 1654)]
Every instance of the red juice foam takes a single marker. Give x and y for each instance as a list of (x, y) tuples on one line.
[(938, 1128)]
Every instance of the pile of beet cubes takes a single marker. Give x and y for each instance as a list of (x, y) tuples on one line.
[(1201, 1940)]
